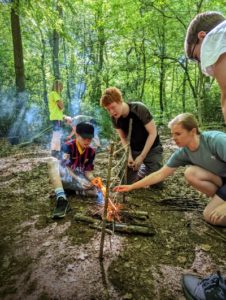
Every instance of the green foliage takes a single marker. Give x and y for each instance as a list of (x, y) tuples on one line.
[(134, 45)]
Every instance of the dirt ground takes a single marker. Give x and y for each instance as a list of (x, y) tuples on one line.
[(45, 259)]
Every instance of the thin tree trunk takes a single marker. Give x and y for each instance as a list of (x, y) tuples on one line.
[(56, 42), (144, 67), (44, 81), (17, 48), (67, 76)]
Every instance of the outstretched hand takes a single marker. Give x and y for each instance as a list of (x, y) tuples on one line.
[(122, 188)]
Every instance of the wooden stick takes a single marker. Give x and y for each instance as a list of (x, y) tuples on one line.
[(94, 226), (133, 229), (120, 149), (106, 202), (127, 157), (83, 218), (34, 139)]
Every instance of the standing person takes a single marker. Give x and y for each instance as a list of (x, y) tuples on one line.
[(145, 154), (75, 171), (206, 154), (205, 43), (56, 107)]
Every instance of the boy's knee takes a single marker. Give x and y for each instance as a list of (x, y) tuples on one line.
[(52, 160), (189, 174)]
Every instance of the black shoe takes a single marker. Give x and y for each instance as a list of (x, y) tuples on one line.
[(56, 154), (210, 288), (62, 207)]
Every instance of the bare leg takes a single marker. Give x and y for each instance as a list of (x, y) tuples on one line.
[(55, 142), (215, 211), (203, 180), (62, 205), (208, 183), (54, 173)]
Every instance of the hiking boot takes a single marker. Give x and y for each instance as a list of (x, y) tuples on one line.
[(210, 288), (62, 207), (56, 154)]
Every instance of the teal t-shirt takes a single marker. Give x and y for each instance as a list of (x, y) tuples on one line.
[(211, 154)]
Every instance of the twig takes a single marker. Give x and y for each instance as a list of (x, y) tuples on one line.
[(106, 202), (127, 155), (120, 149), (33, 139), (121, 162), (215, 230), (94, 226), (214, 236)]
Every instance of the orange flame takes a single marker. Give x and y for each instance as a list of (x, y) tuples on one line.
[(97, 181), (113, 209)]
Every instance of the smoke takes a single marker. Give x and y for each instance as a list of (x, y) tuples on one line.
[(8, 108), (79, 91), (18, 120)]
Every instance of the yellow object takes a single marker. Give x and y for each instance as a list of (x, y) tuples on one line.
[(55, 112), (79, 148)]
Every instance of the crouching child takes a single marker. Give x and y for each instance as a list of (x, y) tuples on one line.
[(74, 171)]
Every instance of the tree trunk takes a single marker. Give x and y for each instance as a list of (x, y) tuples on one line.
[(56, 69), (67, 77), (17, 48), (144, 67), (56, 42), (44, 82)]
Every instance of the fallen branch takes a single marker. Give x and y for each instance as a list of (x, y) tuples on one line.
[(94, 226), (86, 219), (133, 229), (142, 215), (138, 228), (35, 138)]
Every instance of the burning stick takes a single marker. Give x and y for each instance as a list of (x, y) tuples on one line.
[(106, 202), (112, 209)]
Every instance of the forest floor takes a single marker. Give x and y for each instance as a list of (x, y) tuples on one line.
[(41, 258)]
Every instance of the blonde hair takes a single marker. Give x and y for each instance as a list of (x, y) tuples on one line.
[(186, 120), (110, 95), (57, 86), (202, 22)]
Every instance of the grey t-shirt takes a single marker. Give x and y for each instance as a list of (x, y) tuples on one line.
[(81, 118), (211, 154)]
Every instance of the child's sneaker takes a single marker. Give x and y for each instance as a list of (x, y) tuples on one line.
[(210, 288), (62, 207)]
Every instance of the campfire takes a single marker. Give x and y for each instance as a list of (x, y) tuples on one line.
[(113, 210)]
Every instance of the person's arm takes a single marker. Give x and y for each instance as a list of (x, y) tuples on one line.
[(220, 75), (73, 133), (60, 104), (152, 133), (151, 179)]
